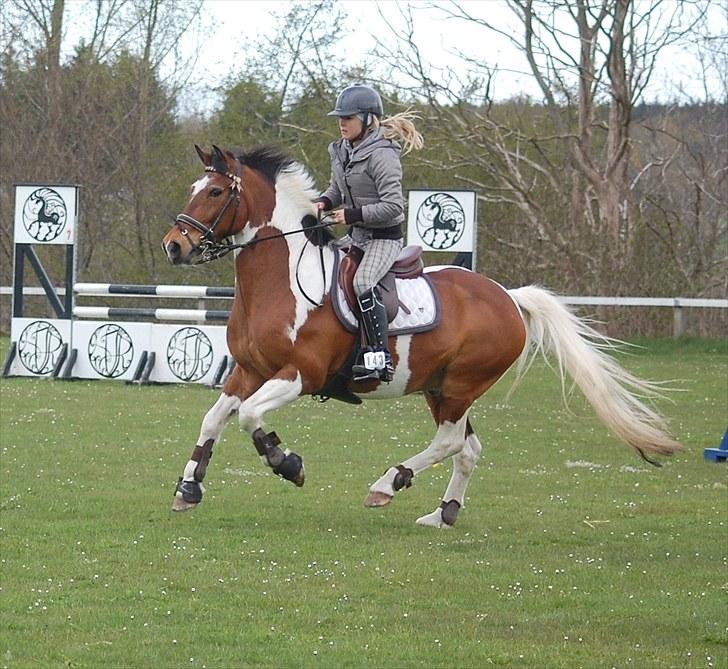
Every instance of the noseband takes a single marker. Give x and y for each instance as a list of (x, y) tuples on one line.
[(209, 248)]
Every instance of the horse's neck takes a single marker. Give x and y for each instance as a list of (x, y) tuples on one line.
[(289, 272)]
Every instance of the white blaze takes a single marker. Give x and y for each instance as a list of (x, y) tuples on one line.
[(199, 185)]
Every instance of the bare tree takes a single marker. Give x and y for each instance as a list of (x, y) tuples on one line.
[(97, 113), (564, 162), (299, 55)]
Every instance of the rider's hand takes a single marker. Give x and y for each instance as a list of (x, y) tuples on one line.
[(339, 216), (323, 204)]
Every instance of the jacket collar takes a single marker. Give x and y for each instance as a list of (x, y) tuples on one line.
[(374, 140)]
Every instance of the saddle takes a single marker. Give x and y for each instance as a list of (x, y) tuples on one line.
[(408, 265), (412, 307)]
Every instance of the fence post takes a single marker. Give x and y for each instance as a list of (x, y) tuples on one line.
[(678, 320)]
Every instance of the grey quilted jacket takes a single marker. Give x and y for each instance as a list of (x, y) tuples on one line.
[(368, 180)]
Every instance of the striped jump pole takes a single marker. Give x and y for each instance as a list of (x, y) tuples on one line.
[(132, 290), (189, 350), (114, 313)]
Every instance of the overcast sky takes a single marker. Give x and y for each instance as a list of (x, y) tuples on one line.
[(229, 25)]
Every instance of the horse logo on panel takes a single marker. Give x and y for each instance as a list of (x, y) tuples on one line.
[(110, 350), (44, 214), (189, 354), (440, 221), (39, 347)]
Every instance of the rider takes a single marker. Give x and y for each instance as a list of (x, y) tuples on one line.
[(366, 181)]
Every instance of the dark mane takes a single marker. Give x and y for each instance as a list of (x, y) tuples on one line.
[(270, 162), (267, 160)]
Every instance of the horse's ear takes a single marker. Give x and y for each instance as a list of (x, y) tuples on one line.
[(206, 158), (218, 160)]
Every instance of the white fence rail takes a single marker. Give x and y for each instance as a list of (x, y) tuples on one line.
[(201, 293)]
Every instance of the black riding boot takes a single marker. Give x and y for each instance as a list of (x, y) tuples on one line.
[(376, 362)]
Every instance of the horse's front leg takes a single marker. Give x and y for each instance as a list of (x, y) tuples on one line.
[(189, 490), (282, 389)]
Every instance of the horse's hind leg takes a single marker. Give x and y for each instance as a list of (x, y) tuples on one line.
[(463, 465), (449, 440), (189, 490)]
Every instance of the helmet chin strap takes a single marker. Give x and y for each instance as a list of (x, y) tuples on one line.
[(364, 124)]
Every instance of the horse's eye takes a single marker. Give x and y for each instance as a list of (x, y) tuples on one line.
[(215, 192)]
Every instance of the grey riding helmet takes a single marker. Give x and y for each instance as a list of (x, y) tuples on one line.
[(358, 99)]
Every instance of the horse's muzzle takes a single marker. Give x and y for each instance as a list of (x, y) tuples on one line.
[(181, 253), (174, 252)]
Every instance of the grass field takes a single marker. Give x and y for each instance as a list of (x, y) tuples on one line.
[(570, 551)]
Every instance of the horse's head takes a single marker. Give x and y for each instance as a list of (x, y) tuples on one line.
[(217, 209), (237, 196)]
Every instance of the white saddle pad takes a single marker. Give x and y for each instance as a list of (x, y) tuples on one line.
[(417, 295)]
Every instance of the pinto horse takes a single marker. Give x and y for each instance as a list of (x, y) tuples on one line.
[(287, 340)]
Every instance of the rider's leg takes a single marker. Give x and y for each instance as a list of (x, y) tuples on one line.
[(376, 360), (379, 255)]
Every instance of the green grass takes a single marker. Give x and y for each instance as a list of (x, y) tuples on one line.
[(570, 552)]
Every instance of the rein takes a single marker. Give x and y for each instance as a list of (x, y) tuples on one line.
[(223, 248)]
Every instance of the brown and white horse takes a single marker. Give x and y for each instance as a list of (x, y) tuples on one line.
[(287, 341)]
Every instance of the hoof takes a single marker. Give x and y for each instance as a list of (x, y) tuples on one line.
[(187, 495), (180, 505), (375, 499), (433, 519), (292, 469)]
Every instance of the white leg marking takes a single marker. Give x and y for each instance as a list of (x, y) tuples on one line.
[(217, 417), (463, 466), (385, 484), (212, 426), (271, 395), (449, 440)]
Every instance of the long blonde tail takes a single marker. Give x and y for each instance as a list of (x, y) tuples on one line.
[(614, 393)]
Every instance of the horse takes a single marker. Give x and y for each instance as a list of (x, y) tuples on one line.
[(287, 341)]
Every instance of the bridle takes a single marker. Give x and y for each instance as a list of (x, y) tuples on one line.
[(209, 248)]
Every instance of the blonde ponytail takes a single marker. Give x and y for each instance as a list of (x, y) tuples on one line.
[(401, 127)]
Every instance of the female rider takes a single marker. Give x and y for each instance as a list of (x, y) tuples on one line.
[(366, 183)]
